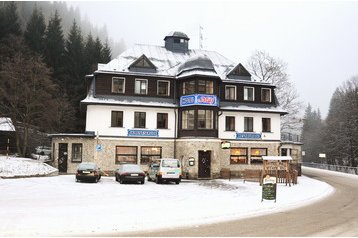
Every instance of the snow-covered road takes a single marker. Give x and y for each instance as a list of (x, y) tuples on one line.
[(58, 205)]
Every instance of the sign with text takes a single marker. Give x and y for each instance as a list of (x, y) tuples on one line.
[(199, 99), (143, 133), (269, 188), (248, 136)]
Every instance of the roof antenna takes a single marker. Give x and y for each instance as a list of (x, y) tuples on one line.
[(200, 37)]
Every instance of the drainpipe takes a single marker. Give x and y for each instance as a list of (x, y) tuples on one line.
[(175, 120)]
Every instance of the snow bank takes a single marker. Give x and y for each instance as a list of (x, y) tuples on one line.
[(58, 206), (18, 167)]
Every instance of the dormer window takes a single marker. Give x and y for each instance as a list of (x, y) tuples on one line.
[(265, 95), (205, 86), (142, 63), (249, 94)]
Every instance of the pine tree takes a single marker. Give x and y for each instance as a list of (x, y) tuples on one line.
[(35, 31), (106, 54), (9, 20), (97, 50), (89, 54), (54, 46)]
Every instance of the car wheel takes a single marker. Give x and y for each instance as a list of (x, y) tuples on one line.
[(149, 179), (116, 178), (77, 180), (120, 181), (158, 180), (177, 182), (142, 182)]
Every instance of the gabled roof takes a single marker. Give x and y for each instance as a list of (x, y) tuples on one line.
[(239, 70), (142, 62), (6, 124)]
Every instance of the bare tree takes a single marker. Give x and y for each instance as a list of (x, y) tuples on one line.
[(26, 95), (265, 68)]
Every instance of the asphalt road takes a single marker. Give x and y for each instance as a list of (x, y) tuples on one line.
[(336, 215)]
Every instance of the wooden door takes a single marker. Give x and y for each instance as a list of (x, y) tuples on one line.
[(204, 164), (62, 157)]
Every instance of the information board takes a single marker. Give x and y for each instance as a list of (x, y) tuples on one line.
[(269, 188)]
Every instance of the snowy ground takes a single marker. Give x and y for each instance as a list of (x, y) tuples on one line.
[(57, 206), (17, 167)]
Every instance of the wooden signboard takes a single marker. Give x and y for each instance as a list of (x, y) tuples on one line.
[(269, 188)]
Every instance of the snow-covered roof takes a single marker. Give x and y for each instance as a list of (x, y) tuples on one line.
[(251, 107), (177, 34), (167, 63), (276, 158), (6, 124)]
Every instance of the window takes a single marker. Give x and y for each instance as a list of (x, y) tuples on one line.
[(205, 86), (176, 40), (162, 120), (118, 85), (205, 119), (265, 95), (230, 123), (188, 119), (117, 119), (256, 155), (230, 92), (249, 124), (141, 86), (148, 154), (163, 88), (126, 154), (139, 119), (76, 152), (249, 94), (238, 156), (188, 87), (266, 124)]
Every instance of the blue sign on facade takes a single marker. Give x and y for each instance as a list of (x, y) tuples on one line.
[(99, 147), (248, 136), (199, 99), (140, 133)]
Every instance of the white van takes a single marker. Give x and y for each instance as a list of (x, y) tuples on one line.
[(165, 170)]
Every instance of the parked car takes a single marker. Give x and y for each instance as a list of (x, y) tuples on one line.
[(129, 173), (88, 171), (165, 170), (43, 150)]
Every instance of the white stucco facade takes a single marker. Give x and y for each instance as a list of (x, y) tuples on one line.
[(98, 120)]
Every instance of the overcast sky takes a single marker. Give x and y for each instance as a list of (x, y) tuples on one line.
[(318, 40)]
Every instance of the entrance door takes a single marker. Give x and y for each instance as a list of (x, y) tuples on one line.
[(62, 157), (204, 164)]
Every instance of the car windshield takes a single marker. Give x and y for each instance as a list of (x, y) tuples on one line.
[(170, 163), (131, 167), (86, 166)]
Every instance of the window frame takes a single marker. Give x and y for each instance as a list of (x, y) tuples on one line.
[(146, 89), (166, 124), (246, 129), (117, 155), (150, 155), (192, 81), (235, 92), (112, 124), (257, 161), (212, 119), (73, 153), (239, 159), (188, 120), (135, 120), (168, 88), (207, 86), (124, 85), (246, 95), (270, 97), (269, 124), (226, 123)]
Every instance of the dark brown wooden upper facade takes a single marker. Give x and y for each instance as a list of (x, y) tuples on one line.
[(213, 85)]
